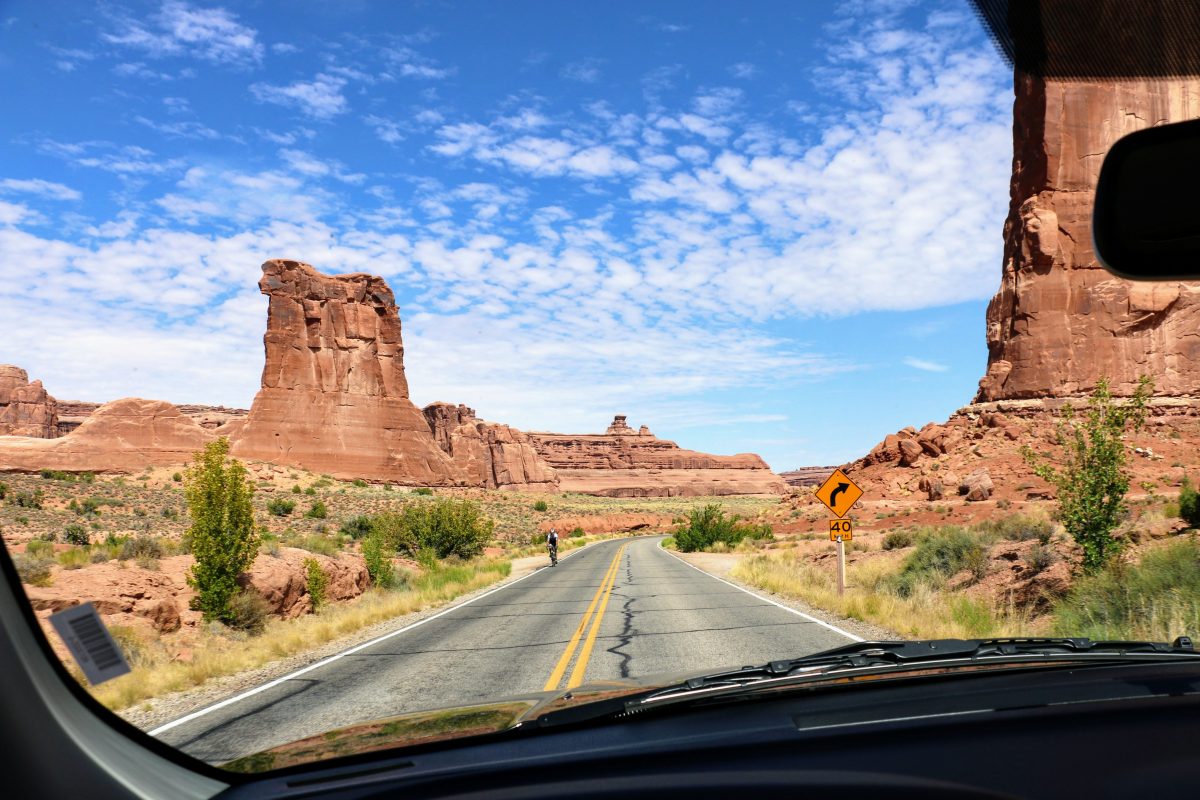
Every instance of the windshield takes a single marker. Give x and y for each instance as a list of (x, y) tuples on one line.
[(379, 372)]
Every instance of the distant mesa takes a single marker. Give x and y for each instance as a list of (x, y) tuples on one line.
[(334, 399)]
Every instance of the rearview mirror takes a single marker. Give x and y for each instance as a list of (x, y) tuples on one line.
[(1146, 218)]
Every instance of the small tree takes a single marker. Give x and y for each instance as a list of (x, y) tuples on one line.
[(222, 536), (1189, 503), (379, 562), (317, 582), (1092, 481)]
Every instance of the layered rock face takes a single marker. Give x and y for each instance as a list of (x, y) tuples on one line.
[(25, 408), (1060, 321), (121, 436), (489, 455), (629, 464), (334, 398), (72, 413)]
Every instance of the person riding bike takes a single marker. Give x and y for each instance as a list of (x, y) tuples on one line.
[(552, 546)]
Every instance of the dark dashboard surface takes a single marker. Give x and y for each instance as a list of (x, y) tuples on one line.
[(1097, 731)]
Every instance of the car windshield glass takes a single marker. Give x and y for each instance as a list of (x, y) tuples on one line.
[(383, 373)]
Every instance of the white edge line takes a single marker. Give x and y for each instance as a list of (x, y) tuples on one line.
[(270, 684), (808, 617)]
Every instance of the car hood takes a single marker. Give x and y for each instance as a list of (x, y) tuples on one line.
[(443, 724)]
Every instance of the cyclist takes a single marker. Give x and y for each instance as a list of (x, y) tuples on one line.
[(552, 546)]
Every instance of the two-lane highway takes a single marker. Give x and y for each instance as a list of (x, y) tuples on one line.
[(615, 609)]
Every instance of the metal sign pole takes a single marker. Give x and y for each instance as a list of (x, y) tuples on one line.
[(841, 558)]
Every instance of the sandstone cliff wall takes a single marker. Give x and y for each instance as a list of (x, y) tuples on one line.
[(489, 455), (334, 397), (1060, 321), (25, 408)]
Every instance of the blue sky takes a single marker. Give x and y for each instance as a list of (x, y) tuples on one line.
[(767, 227)]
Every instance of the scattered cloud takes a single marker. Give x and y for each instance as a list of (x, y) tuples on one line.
[(320, 98), (585, 70), (179, 29), (408, 63), (183, 129), (743, 70), (39, 187), (924, 365)]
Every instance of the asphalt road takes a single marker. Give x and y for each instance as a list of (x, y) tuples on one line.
[(615, 609)]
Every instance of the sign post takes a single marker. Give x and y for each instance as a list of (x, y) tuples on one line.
[(839, 494)]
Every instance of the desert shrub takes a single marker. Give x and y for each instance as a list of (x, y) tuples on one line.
[(313, 544), (39, 548), (360, 483), (280, 507), (894, 540), (22, 520), (34, 570), (448, 527), (75, 558), (356, 527), (1157, 599), (177, 477), (315, 576), (576, 532), (296, 489), (937, 556), (141, 548), (1039, 558), (171, 513), (1189, 503), (669, 543), (425, 491), (1017, 528), (540, 505), (379, 560), (1093, 481), (57, 475), (222, 535), (28, 499), (310, 492), (706, 526), (248, 611), (317, 510), (3, 489), (1003, 504), (77, 535)]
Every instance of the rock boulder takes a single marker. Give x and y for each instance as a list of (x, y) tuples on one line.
[(25, 407)]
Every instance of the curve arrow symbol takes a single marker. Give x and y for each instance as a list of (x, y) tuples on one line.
[(841, 487)]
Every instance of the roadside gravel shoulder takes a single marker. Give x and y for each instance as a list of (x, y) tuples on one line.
[(721, 565), (161, 710)]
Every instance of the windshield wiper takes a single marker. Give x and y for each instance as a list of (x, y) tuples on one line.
[(879, 657)]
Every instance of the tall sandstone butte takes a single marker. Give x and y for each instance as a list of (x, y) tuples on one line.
[(1060, 321), (334, 398), (25, 408)]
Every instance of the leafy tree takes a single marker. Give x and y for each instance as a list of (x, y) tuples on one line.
[(379, 562), (316, 583), (1092, 481), (222, 536), (1189, 503)]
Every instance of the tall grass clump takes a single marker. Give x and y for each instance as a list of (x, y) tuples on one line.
[(1157, 599), (938, 555), (706, 527)]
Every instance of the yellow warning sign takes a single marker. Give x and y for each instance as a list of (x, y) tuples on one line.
[(842, 528), (839, 493)]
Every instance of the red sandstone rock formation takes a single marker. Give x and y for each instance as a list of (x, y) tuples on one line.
[(121, 436), (1060, 321), (334, 397), (626, 464), (72, 413), (25, 408), (490, 455)]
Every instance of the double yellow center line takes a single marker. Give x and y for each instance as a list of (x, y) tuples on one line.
[(598, 605)]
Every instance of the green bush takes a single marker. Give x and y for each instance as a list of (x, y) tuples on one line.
[(356, 527), (3, 489), (445, 527), (1017, 528), (177, 477), (379, 561), (248, 611), (1189, 503), (296, 489), (360, 483), (57, 475), (939, 555), (709, 525), (424, 491), (143, 548), (280, 507), (317, 582), (576, 532), (77, 535), (222, 536), (540, 505), (28, 499), (317, 510), (310, 491), (894, 540), (1157, 599)]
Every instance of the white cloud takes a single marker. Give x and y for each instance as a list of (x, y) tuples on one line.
[(585, 70), (39, 187), (924, 365), (387, 130), (321, 98), (309, 165), (408, 63), (210, 34), (183, 129), (743, 70)]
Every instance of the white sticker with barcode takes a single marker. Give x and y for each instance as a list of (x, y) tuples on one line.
[(90, 643)]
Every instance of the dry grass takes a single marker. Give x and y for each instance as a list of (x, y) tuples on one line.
[(223, 652), (926, 613)]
